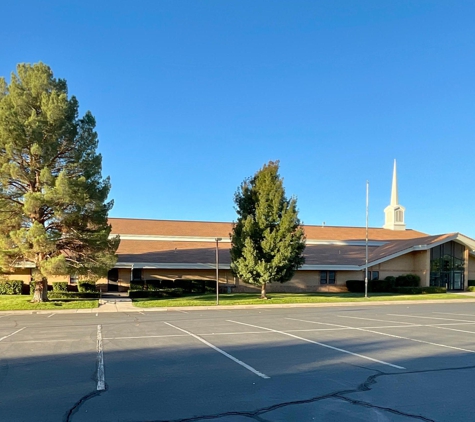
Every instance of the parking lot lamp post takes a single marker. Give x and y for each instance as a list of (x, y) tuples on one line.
[(366, 244), (217, 270)]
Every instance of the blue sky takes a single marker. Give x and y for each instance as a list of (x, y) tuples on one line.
[(191, 97)]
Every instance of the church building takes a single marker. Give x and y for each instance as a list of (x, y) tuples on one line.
[(190, 250)]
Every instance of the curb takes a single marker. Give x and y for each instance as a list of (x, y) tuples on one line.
[(128, 309)]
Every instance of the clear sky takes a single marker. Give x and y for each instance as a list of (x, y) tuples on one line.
[(191, 97)]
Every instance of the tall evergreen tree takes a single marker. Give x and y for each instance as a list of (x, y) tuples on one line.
[(53, 209), (267, 239)]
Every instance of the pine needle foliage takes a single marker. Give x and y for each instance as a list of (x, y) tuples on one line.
[(53, 199), (267, 239)]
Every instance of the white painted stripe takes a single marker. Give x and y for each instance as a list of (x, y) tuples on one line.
[(449, 313), (48, 341), (321, 344), (49, 316), (374, 319), (428, 317), (245, 365), (9, 335), (453, 329), (137, 337), (400, 337), (101, 377)]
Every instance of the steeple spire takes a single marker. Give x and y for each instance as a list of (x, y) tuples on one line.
[(394, 213), (394, 193)]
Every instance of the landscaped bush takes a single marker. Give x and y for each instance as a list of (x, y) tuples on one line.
[(153, 284), (374, 286), (419, 290), (73, 295), (86, 286), (407, 280), (355, 286), (60, 286), (156, 293), (471, 289), (136, 285), (11, 287)]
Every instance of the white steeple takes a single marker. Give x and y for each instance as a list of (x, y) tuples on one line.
[(394, 213)]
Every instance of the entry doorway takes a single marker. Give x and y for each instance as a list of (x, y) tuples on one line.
[(453, 280), (113, 280)]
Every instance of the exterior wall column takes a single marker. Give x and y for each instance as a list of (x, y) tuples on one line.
[(426, 280), (466, 258)]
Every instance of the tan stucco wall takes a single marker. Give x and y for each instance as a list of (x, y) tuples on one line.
[(471, 268), (411, 263), (22, 274)]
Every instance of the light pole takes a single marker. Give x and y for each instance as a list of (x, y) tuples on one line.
[(366, 244), (217, 270)]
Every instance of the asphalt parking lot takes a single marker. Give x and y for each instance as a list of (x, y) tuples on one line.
[(358, 363)]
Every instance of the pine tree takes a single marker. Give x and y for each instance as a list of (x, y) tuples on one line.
[(53, 209), (267, 239)]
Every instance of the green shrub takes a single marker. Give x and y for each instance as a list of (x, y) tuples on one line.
[(156, 293), (419, 290), (11, 287), (153, 284), (407, 280), (73, 295), (60, 286), (86, 286), (471, 289), (374, 286), (471, 282), (136, 285)]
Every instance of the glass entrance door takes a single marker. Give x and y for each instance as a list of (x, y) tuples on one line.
[(456, 281)]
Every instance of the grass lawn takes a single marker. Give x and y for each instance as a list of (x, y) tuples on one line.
[(280, 298), (22, 302)]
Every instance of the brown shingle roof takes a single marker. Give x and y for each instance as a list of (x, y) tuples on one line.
[(203, 252), (214, 229)]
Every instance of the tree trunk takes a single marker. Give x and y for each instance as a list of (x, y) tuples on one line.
[(41, 291), (263, 291)]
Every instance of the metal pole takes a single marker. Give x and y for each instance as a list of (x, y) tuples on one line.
[(366, 244), (217, 271)]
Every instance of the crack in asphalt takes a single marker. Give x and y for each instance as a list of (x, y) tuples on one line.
[(340, 395), (69, 414)]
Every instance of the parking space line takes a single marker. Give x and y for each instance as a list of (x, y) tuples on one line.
[(49, 316), (101, 378), (428, 317), (321, 344), (395, 336), (449, 313), (136, 337), (9, 335), (245, 365), (374, 319), (452, 329)]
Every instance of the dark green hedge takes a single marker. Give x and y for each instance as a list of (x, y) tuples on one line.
[(419, 290), (60, 286), (73, 295), (11, 287), (156, 293), (86, 286), (388, 285), (188, 286)]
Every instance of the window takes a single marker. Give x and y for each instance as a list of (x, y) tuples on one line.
[(327, 277), (372, 275), (73, 279), (137, 274)]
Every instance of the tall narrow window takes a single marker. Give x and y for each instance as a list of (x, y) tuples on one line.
[(327, 277), (137, 274)]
